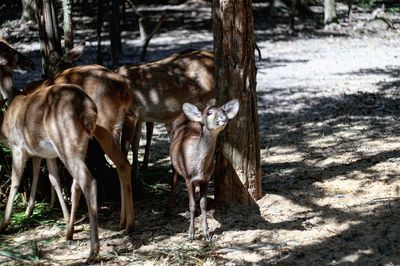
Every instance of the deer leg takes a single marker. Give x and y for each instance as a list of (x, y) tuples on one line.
[(111, 148), (203, 207), (84, 179), (127, 133), (35, 178), (56, 185), (192, 206), (174, 181), (18, 164), (75, 197), (137, 181), (53, 197), (149, 135)]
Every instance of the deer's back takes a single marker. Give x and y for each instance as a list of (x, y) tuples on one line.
[(109, 90), (60, 113), (161, 87)]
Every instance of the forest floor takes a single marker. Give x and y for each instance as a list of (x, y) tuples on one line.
[(330, 148)]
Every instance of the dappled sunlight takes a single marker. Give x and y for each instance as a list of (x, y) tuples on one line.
[(278, 154), (330, 146)]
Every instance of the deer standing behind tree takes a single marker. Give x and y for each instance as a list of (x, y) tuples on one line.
[(160, 88)]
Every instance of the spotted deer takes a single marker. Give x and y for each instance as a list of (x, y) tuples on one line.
[(52, 122), (193, 139), (160, 88), (112, 96)]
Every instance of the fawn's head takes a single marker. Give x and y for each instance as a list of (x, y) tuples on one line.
[(213, 118), (10, 59)]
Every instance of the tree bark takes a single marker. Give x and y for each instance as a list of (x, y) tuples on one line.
[(329, 12), (115, 32), (99, 22), (238, 170), (48, 34), (28, 10), (67, 25), (42, 37)]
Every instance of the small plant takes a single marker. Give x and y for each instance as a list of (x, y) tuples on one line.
[(42, 214), (394, 9), (367, 4), (5, 170)]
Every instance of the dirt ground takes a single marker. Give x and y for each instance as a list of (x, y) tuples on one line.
[(330, 149)]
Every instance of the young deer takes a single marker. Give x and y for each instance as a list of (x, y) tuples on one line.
[(193, 139), (112, 96), (50, 122), (10, 59), (160, 88)]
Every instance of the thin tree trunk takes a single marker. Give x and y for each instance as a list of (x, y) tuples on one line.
[(100, 19), (44, 49), (238, 171), (67, 26), (115, 32), (329, 11), (28, 10)]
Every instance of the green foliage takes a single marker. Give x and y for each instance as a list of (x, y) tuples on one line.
[(395, 9), (5, 170), (6, 24), (367, 4), (42, 214)]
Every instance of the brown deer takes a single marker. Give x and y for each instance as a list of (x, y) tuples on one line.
[(161, 87), (10, 59), (50, 122), (112, 96), (193, 139)]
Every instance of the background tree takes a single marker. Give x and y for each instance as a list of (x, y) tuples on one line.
[(238, 171), (28, 10), (50, 43), (329, 11), (67, 24), (115, 31)]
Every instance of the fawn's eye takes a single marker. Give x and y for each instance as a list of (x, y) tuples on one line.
[(209, 112)]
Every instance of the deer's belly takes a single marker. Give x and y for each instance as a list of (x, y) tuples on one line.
[(44, 149)]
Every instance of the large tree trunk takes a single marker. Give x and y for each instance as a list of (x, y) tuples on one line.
[(329, 11), (238, 171)]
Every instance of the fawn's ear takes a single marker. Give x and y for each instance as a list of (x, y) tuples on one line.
[(16, 60), (191, 112), (74, 54), (231, 108)]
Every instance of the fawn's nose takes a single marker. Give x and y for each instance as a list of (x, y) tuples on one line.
[(222, 120)]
